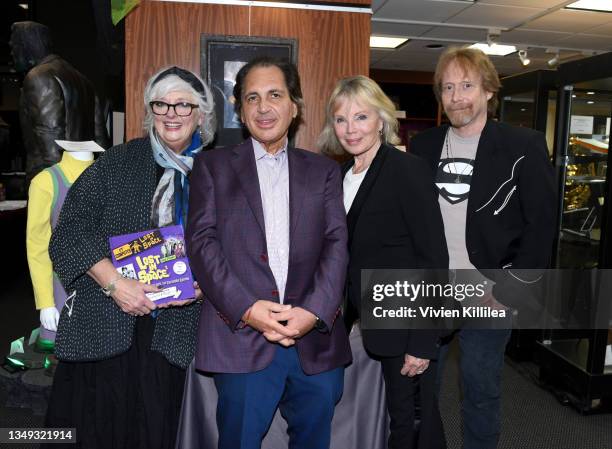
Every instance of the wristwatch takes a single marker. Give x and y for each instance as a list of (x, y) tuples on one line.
[(320, 325)]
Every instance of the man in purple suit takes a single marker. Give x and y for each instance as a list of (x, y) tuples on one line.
[(267, 240)]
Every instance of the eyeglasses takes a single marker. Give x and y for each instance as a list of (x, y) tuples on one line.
[(465, 87), (182, 109)]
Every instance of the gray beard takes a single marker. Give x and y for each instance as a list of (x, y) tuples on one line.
[(459, 120)]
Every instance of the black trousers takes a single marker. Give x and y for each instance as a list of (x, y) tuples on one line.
[(404, 395), (131, 401)]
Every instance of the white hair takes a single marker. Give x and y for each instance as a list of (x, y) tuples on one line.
[(173, 83)]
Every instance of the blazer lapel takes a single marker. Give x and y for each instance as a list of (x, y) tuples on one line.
[(488, 146), (364, 189), (298, 178), (244, 166)]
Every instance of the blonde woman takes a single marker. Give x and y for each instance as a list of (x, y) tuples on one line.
[(394, 221)]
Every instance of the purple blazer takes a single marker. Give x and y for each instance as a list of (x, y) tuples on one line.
[(226, 245)]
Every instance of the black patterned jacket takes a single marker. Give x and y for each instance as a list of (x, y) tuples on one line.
[(112, 197)]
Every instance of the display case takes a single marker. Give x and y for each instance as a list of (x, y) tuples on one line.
[(583, 169), (573, 362), (529, 100)]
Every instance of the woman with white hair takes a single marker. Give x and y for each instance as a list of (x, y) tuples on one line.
[(122, 364)]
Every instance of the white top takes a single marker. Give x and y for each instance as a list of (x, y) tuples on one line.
[(350, 187)]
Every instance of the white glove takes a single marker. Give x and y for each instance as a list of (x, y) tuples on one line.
[(49, 316)]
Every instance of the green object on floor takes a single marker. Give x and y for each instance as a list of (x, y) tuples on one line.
[(32, 355), (44, 345)]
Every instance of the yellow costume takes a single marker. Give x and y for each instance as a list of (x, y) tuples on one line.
[(38, 230)]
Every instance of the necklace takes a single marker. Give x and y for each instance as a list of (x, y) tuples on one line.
[(450, 155)]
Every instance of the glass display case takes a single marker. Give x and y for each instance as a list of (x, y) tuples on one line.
[(584, 168), (530, 100), (573, 362)]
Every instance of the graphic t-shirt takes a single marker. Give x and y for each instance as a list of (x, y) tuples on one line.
[(453, 179)]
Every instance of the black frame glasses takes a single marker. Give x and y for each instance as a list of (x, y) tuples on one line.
[(182, 109)]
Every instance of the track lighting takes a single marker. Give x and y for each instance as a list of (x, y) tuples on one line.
[(522, 54), (554, 61)]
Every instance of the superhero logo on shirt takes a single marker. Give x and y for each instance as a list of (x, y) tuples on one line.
[(453, 179)]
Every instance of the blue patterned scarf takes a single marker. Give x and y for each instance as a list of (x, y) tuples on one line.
[(171, 198)]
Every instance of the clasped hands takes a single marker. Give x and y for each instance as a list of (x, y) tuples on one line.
[(267, 317), (413, 366)]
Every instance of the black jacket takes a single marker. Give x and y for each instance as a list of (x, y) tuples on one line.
[(512, 204), (395, 223), (112, 197), (57, 102)]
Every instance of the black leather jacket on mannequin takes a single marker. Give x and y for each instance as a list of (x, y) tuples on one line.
[(57, 102)]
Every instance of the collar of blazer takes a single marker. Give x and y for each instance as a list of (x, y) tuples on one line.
[(243, 164), (365, 187)]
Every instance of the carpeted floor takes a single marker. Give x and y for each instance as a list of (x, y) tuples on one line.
[(532, 418)]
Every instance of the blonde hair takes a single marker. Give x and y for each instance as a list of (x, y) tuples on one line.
[(469, 59), (366, 91)]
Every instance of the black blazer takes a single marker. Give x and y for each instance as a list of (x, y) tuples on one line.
[(395, 222), (512, 204)]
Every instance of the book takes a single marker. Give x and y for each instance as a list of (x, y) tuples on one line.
[(155, 257)]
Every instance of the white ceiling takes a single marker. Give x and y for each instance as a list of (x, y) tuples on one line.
[(539, 26)]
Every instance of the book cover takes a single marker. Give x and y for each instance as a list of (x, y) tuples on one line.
[(155, 257)]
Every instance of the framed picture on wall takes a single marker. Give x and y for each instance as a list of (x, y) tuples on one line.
[(221, 57)]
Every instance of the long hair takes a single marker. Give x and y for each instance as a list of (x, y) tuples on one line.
[(469, 59)]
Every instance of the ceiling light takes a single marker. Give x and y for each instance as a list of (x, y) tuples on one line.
[(23, 5), (574, 96), (523, 109), (494, 49), (386, 42), (522, 54), (590, 102), (554, 61), (593, 5), (590, 92)]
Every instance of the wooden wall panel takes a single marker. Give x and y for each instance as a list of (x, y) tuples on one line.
[(159, 34), (358, 3), (328, 50), (331, 45)]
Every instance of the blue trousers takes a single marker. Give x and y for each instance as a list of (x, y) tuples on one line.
[(482, 360), (247, 403)]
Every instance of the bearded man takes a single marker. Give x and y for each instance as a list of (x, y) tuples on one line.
[(498, 203)]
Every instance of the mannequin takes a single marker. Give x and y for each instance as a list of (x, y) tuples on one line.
[(46, 196), (57, 101)]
